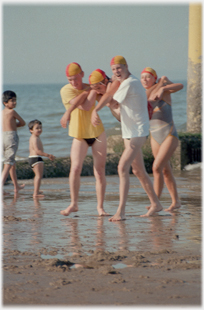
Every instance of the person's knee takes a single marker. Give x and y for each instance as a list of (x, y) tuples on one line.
[(122, 170), (166, 172), (140, 173), (38, 176), (156, 169), (136, 171), (99, 173), (76, 169)]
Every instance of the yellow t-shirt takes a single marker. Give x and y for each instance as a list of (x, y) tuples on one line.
[(80, 126)]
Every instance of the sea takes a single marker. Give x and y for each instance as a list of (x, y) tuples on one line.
[(43, 102)]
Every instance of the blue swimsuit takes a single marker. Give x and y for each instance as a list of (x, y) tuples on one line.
[(161, 123)]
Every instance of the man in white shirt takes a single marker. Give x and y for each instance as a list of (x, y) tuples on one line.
[(135, 128)]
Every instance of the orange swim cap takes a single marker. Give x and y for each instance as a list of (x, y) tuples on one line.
[(73, 68), (97, 76), (150, 71), (118, 60)]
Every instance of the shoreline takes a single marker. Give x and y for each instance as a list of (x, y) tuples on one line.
[(188, 152)]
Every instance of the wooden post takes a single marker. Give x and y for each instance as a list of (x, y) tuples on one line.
[(194, 101)]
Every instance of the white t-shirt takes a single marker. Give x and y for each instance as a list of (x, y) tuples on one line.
[(133, 108)]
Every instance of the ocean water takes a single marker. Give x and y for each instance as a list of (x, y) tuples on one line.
[(43, 102)]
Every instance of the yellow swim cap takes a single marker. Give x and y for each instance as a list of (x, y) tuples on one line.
[(118, 60), (150, 71), (73, 69), (97, 76)]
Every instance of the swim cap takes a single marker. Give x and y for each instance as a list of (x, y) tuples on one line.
[(118, 60), (150, 71), (72, 69), (97, 76)]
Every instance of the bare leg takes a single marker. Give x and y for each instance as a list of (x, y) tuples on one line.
[(99, 156), (172, 188), (78, 153), (4, 175), (158, 186), (38, 170), (139, 170), (13, 175), (161, 167), (132, 147), (159, 179)]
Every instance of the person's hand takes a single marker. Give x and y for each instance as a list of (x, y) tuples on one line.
[(113, 78), (95, 120), (51, 157), (158, 95), (88, 88), (65, 118)]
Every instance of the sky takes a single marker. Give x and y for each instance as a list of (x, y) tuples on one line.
[(40, 39)]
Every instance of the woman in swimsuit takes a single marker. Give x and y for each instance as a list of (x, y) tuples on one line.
[(164, 137), (101, 83)]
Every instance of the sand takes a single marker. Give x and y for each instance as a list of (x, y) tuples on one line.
[(83, 259)]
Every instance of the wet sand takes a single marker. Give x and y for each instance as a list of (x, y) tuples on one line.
[(83, 259)]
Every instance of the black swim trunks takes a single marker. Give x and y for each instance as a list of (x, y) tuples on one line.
[(33, 160), (90, 141)]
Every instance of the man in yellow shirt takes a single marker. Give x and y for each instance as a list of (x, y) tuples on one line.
[(84, 135)]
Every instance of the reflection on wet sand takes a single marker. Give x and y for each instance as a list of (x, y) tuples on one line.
[(35, 225), (161, 233), (85, 260)]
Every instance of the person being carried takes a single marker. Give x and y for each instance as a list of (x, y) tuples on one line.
[(101, 83), (135, 128), (164, 137), (80, 95), (11, 120), (36, 151)]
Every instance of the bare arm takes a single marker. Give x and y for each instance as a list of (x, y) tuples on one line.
[(105, 99), (108, 96), (20, 121), (164, 88), (80, 100), (90, 100), (84, 101)]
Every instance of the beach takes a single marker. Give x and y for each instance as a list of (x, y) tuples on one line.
[(85, 260)]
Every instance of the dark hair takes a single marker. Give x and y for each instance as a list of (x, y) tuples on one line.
[(34, 122), (7, 95)]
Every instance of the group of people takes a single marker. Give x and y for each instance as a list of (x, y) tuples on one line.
[(127, 98)]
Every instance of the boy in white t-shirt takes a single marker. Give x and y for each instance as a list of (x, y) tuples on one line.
[(135, 128)]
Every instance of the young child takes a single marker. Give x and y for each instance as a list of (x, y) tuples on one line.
[(36, 151), (10, 121)]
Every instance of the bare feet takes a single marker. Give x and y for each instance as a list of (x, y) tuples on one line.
[(119, 216), (68, 210), (102, 212), (153, 210), (174, 206), (18, 188)]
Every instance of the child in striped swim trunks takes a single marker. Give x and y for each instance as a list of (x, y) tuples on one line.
[(36, 151)]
